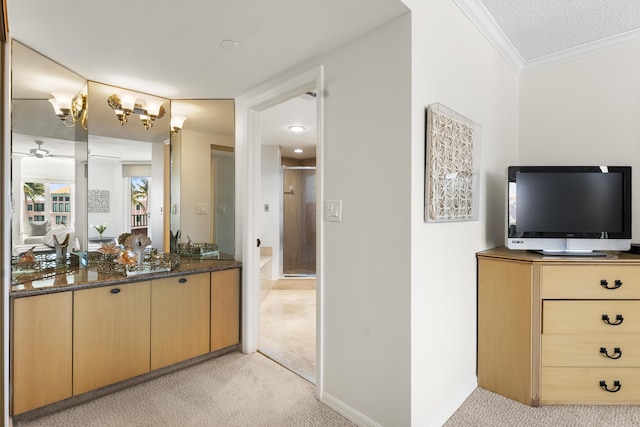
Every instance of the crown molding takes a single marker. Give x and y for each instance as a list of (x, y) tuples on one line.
[(588, 49), (483, 20)]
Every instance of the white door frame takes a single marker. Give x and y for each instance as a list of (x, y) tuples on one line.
[(248, 108)]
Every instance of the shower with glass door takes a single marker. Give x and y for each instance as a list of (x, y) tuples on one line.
[(299, 221)]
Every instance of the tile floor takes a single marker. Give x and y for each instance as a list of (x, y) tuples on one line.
[(288, 326)]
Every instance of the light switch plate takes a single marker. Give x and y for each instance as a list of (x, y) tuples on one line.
[(333, 210), (202, 208)]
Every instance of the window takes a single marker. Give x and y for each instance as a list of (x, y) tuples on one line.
[(137, 206), (55, 198), (38, 217), (67, 207), (61, 207), (64, 219), (57, 219), (54, 206), (29, 207), (39, 207), (66, 198)]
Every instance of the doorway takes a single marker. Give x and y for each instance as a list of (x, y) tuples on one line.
[(288, 234)]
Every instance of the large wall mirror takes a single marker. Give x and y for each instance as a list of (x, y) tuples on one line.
[(126, 172), (84, 169), (49, 153), (202, 173)]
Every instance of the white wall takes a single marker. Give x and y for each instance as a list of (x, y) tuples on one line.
[(367, 256), (271, 194), (453, 64), (107, 175), (195, 183), (585, 112)]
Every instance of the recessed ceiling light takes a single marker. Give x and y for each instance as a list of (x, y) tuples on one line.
[(296, 128), (229, 44), (298, 150)]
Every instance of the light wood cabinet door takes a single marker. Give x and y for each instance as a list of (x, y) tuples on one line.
[(225, 308), (41, 351), (111, 335), (179, 318)]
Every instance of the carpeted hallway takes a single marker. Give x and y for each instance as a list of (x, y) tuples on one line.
[(232, 390)]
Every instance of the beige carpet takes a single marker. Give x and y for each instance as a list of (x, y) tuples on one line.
[(484, 409), (232, 390)]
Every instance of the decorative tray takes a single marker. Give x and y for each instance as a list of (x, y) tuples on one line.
[(153, 262), (198, 250), (44, 266)]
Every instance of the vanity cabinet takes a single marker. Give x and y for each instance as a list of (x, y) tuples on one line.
[(70, 342), (225, 308), (180, 309), (41, 350), (111, 334), (557, 330)]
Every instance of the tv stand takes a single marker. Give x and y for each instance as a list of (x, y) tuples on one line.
[(580, 253), (559, 331)]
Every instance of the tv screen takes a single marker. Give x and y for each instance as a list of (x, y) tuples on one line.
[(569, 209)]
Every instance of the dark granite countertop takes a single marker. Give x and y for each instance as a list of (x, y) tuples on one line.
[(83, 278)]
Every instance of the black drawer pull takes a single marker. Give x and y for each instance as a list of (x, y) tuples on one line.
[(115, 290), (182, 280), (619, 319), (605, 284), (616, 386), (617, 353)]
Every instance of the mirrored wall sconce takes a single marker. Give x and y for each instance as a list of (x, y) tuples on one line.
[(176, 123), (70, 109), (126, 104)]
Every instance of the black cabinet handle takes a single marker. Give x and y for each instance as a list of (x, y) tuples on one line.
[(182, 280), (617, 353), (605, 284), (616, 386), (619, 319), (115, 290)]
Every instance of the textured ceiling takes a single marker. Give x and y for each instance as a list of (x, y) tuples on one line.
[(532, 33)]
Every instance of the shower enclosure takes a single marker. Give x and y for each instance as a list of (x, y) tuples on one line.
[(299, 221)]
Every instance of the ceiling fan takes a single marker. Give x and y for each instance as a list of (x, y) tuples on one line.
[(40, 152)]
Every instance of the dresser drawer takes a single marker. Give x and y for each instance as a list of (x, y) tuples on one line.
[(585, 350), (590, 282), (582, 385), (586, 317)]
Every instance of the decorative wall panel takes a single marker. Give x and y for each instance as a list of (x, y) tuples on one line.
[(452, 166)]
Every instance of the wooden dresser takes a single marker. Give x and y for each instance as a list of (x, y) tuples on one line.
[(559, 330)]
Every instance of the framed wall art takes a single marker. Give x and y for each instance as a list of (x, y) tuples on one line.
[(98, 201), (452, 166)]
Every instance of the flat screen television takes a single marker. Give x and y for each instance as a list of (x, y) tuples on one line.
[(569, 210)]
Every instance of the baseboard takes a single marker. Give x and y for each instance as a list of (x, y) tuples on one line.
[(448, 411), (348, 412)]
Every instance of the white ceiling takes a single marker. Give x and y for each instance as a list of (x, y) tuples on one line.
[(173, 50), (532, 34)]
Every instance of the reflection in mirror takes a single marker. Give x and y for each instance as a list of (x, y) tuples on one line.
[(128, 145), (48, 144), (202, 203)]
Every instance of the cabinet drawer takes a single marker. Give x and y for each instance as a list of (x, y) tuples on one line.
[(590, 282), (584, 350), (582, 385), (586, 317)]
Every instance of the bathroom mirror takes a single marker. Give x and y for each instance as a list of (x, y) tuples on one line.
[(48, 154), (126, 158), (202, 173)]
